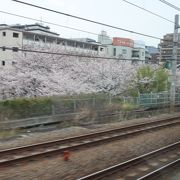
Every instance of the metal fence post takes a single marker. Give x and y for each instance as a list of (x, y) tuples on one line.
[(53, 109), (94, 102), (74, 105), (110, 99)]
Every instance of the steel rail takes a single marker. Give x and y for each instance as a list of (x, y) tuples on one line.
[(159, 171), (108, 172), (16, 154)]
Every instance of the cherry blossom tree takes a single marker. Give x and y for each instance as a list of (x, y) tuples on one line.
[(38, 74)]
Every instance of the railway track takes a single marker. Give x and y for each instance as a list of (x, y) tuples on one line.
[(144, 167), (164, 170), (46, 149)]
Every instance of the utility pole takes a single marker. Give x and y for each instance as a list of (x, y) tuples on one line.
[(174, 64)]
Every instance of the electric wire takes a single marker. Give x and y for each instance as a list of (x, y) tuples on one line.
[(155, 14), (47, 22), (55, 24), (170, 5), (66, 54), (88, 20)]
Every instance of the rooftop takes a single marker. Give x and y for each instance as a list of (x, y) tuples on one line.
[(35, 28)]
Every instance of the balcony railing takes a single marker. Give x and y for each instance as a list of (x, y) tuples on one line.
[(136, 56)]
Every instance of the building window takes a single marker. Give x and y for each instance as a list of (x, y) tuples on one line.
[(101, 49), (124, 51), (15, 35), (3, 63), (142, 53), (114, 52), (4, 33), (15, 49)]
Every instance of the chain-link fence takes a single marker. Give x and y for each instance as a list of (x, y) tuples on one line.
[(81, 107), (153, 100)]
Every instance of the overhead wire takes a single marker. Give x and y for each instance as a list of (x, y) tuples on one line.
[(170, 5), (66, 54), (68, 27), (55, 24), (47, 22), (88, 20), (142, 8)]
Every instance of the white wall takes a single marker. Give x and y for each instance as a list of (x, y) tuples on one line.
[(120, 51), (9, 41)]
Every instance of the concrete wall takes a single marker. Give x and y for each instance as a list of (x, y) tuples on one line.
[(142, 54), (138, 53), (121, 51)]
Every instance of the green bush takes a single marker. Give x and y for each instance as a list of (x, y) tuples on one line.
[(32, 107), (24, 108), (149, 80)]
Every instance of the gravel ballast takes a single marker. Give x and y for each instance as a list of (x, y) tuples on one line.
[(93, 159), (38, 137)]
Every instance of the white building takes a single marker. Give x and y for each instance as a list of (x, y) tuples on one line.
[(122, 48), (120, 52), (11, 38), (138, 54), (22, 36)]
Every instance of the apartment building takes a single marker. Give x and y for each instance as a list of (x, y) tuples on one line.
[(166, 48), (23, 36), (11, 38)]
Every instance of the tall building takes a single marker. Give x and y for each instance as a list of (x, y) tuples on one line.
[(24, 36), (166, 48)]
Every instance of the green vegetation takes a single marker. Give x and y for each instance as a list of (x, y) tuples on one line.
[(23, 108), (148, 80), (87, 105)]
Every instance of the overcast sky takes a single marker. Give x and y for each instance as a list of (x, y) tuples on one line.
[(113, 12)]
